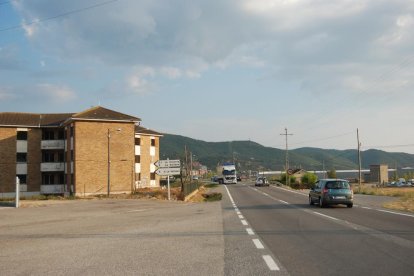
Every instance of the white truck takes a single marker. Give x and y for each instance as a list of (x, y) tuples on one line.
[(227, 173)]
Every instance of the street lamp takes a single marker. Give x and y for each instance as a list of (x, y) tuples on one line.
[(109, 159)]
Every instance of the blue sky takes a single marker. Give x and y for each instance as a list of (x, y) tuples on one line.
[(220, 70)]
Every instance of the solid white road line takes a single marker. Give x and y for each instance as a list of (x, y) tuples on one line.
[(270, 263), (395, 213), (283, 201), (241, 217), (244, 222), (250, 231), (258, 244)]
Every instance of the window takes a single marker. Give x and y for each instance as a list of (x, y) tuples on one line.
[(71, 131), (152, 142), (48, 156), (137, 158), (22, 135), (21, 157), (61, 134), (61, 157), (48, 134), (71, 155), (137, 141), (62, 178), (22, 178), (152, 176), (138, 176), (48, 179)]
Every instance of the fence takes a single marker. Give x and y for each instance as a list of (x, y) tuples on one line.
[(188, 188)]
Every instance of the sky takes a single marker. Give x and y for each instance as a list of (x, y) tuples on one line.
[(220, 70)]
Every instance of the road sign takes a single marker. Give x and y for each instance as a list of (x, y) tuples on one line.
[(168, 171), (168, 163)]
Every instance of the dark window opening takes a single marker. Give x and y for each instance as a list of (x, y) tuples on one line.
[(137, 158), (48, 135), (153, 142), (48, 179), (48, 156), (61, 134), (137, 141), (152, 176), (22, 135), (22, 178), (21, 157)]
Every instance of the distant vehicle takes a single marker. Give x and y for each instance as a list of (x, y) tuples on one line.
[(261, 181), (239, 178), (228, 174), (401, 182), (195, 177), (411, 181), (214, 178), (331, 192)]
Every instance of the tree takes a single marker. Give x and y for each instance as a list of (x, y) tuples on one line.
[(292, 179), (332, 173), (309, 179)]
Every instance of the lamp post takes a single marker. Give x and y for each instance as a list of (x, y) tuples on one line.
[(109, 160)]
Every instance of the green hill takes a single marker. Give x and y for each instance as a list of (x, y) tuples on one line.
[(253, 156)]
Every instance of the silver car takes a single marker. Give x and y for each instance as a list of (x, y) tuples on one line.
[(331, 192)]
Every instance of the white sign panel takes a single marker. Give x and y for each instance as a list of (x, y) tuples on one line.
[(168, 171), (168, 163)]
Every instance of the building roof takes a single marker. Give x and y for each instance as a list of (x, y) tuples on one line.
[(58, 119), (31, 119), (101, 113), (143, 130)]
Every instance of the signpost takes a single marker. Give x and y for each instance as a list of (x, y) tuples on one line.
[(166, 168)]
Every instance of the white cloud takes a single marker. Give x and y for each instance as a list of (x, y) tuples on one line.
[(55, 93)]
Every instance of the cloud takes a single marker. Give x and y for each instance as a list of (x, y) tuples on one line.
[(6, 94), (55, 93), (326, 46)]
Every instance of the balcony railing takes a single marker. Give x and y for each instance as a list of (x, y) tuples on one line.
[(52, 189), (52, 167), (52, 144)]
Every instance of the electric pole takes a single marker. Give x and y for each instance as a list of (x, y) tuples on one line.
[(359, 162), (287, 156)]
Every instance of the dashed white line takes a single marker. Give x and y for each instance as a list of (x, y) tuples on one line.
[(395, 213), (250, 231), (270, 263), (244, 222), (258, 244), (326, 216), (284, 202), (241, 217)]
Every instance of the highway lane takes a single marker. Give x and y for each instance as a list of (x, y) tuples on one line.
[(326, 241)]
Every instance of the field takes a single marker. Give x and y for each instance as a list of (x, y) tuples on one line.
[(404, 196)]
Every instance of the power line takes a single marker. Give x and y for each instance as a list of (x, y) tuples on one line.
[(56, 16)]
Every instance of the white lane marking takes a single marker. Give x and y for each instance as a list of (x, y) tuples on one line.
[(236, 209), (244, 222), (395, 213), (287, 190), (241, 217), (137, 210), (326, 216), (238, 212), (250, 231), (258, 244), (228, 192), (283, 201), (363, 207), (270, 263)]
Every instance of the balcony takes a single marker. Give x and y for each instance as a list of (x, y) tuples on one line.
[(52, 144), (52, 167), (52, 189)]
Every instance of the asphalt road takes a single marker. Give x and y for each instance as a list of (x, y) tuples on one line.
[(251, 231), (308, 240)]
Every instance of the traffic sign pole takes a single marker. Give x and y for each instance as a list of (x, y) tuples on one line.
[(168, 184)]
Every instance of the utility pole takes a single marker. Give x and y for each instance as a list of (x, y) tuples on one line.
[(287, 156), (359, 162)]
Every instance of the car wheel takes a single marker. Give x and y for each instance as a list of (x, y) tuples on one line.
[(310, 201), (321, 203), (349, 205)]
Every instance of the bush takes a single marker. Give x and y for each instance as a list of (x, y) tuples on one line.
[(212, 196)]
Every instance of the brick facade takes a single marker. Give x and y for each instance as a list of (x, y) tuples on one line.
[(69, 153)]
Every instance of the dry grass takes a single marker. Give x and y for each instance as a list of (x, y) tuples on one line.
[(405, 201)]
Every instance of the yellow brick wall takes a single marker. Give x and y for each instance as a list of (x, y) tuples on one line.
[(147, 160), (7, 160), (91, 157)]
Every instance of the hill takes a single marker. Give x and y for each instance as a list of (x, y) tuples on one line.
[(253, 156)]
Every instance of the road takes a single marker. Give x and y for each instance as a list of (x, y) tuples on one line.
[(300, 239), (251, 231)]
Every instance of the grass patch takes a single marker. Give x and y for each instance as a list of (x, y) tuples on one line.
[(209, 186), (214, 196)]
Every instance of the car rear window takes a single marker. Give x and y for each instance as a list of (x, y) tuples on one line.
[(337, 185)]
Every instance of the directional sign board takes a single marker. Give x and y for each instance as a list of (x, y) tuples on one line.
[(168, 171), (168, 163)]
